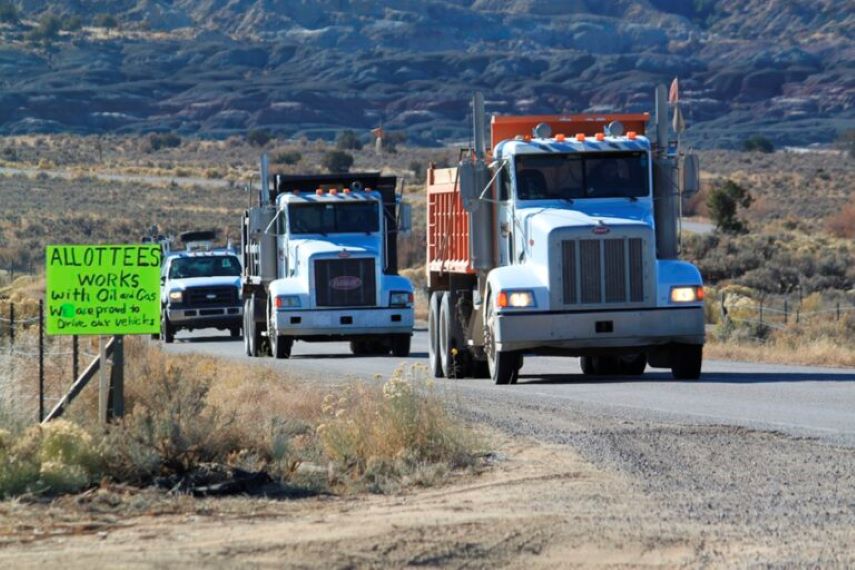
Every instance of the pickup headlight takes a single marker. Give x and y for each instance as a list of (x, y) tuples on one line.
[(288, 302), (687, 294), (176, 296), (400, 299), (516, 299)]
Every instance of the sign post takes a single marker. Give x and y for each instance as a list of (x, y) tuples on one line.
[(103, 290)]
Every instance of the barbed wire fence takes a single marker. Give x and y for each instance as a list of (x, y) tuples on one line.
[(784, 313), (35, 370)]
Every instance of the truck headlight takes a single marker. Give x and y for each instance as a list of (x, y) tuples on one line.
[(687, 294), (517, 299), (288, 302), (400, 298), (176, 296)]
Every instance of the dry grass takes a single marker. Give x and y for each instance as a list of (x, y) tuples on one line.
[(191, 411), (824, 351)]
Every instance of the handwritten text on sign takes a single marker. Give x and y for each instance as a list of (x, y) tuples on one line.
[(102, 289)]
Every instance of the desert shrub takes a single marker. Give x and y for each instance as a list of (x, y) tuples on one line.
[(391, 140), (375, 436), (47, 29), (336, 161), (58, 457), (103, 20), (723, 201), (9, 13), (418, 169), (259, 137), (758, 143), (347, 140), (71, 23), (287, 157), (157, 141), (9, 153), (842, 224)]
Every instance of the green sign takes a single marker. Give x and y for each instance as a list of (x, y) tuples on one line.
[(102, 289)]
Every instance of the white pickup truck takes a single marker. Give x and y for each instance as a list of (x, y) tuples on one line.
[(200, 288)]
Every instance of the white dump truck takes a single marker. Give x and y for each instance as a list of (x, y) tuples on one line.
[(320, 264), (561, 239)]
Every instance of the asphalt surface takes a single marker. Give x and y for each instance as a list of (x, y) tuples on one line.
[(796, 400)]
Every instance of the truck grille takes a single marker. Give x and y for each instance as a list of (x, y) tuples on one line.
[(345, 283), (602, 271), (210, 296)]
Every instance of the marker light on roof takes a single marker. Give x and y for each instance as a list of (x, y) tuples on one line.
[(560, 137), (580, 137), (319, 191), (601, 136), (631, 135), (346, 190), (333, 191)]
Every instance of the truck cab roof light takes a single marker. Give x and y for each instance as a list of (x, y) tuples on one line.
[(631, 135), (580, 137), (346, 191), (560, 137), (319, 192), (601, 136), (333, 192)]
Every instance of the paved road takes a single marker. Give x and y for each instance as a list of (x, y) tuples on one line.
[(796, 400)]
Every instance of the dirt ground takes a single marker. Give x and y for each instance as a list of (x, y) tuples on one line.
[(540, 506)]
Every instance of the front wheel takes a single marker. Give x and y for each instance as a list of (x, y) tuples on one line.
[(167, 332), (281, 345), (503, 365), (251, 332), (401, 345), (686, 360)]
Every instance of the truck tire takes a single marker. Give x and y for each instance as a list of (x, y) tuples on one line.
[(167, 332), (280, 345), (686, 360), (503, 365), (433, 334), (234, 332), (251, 332), (633, 365), (587, 365), (401, 344), (480, 369), (358, 347), (452, 354)]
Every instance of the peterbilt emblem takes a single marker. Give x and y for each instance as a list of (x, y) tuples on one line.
[(345, 282), (601, 230), (210, 296), (344, 253)]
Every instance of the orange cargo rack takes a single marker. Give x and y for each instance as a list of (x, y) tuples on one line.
[(448, 224), (508, 127)]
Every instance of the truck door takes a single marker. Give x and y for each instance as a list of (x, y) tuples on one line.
[(506, 219)]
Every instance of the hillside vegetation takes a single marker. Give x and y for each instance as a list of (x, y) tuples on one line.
[(780, 67)]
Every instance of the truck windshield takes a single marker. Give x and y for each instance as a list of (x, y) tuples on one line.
[(582, 175), (331, 218), (204, 266)]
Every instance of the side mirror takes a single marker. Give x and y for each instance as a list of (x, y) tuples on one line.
[(689, 177), (163, 279), (405, 218)]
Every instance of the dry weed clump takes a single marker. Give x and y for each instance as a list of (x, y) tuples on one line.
[(377, 437)]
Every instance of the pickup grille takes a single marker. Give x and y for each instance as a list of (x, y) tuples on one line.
[(210, 296), (602, 271), (345, 283)]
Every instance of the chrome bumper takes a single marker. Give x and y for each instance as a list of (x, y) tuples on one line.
[(344, 322), (600, 329)]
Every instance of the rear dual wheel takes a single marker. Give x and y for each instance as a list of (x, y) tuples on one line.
[(434, 361), (632, 365)]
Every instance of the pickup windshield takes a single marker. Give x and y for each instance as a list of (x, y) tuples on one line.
[(332, 218), (582, 175), (204, 266)]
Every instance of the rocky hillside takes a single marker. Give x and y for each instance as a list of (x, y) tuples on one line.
[(780, 68)]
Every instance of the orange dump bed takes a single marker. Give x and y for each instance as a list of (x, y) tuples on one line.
[(447, 223), (508, 127)]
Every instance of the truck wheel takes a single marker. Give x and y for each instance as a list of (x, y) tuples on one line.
[(358, 347), (480, 369), (251, 332), (632, 365), (234, 332), (280, 345), (433, 334), (587, 364), (686, 361), (401, 345), (452, 354), (503, 365), (167, 332)]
